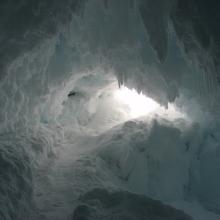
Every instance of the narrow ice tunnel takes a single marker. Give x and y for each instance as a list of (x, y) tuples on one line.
[(109, 109)]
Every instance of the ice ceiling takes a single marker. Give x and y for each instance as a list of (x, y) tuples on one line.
[(104, 97)]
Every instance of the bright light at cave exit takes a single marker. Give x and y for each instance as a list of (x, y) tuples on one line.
[(138, 104)]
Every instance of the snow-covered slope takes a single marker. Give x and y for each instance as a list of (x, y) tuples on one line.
[(154, 157)]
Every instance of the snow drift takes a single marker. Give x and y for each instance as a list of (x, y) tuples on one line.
[(100, 204)]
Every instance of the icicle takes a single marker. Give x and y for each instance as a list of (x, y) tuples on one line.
[(106, 4)]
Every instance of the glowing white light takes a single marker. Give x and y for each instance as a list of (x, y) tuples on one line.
[(138, 104)]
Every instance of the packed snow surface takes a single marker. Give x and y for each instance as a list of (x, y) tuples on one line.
[(152, 156)]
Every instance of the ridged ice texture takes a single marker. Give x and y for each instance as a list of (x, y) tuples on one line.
[(165, 160), (118, 36), (46, 46)]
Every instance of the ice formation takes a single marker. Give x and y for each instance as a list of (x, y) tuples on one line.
[(63, 133), (101, 204)]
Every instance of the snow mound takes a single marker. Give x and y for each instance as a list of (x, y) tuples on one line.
[(101, 204)]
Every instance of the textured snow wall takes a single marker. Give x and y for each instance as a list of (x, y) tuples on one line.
[(169, 50), (126, 38), (166, 160)]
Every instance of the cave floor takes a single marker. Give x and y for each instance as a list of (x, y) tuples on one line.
[(56, 189)]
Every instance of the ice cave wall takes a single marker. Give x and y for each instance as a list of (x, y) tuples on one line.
[(166, 49), (163, 48)]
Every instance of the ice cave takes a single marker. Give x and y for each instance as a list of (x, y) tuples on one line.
[(109, 110)]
